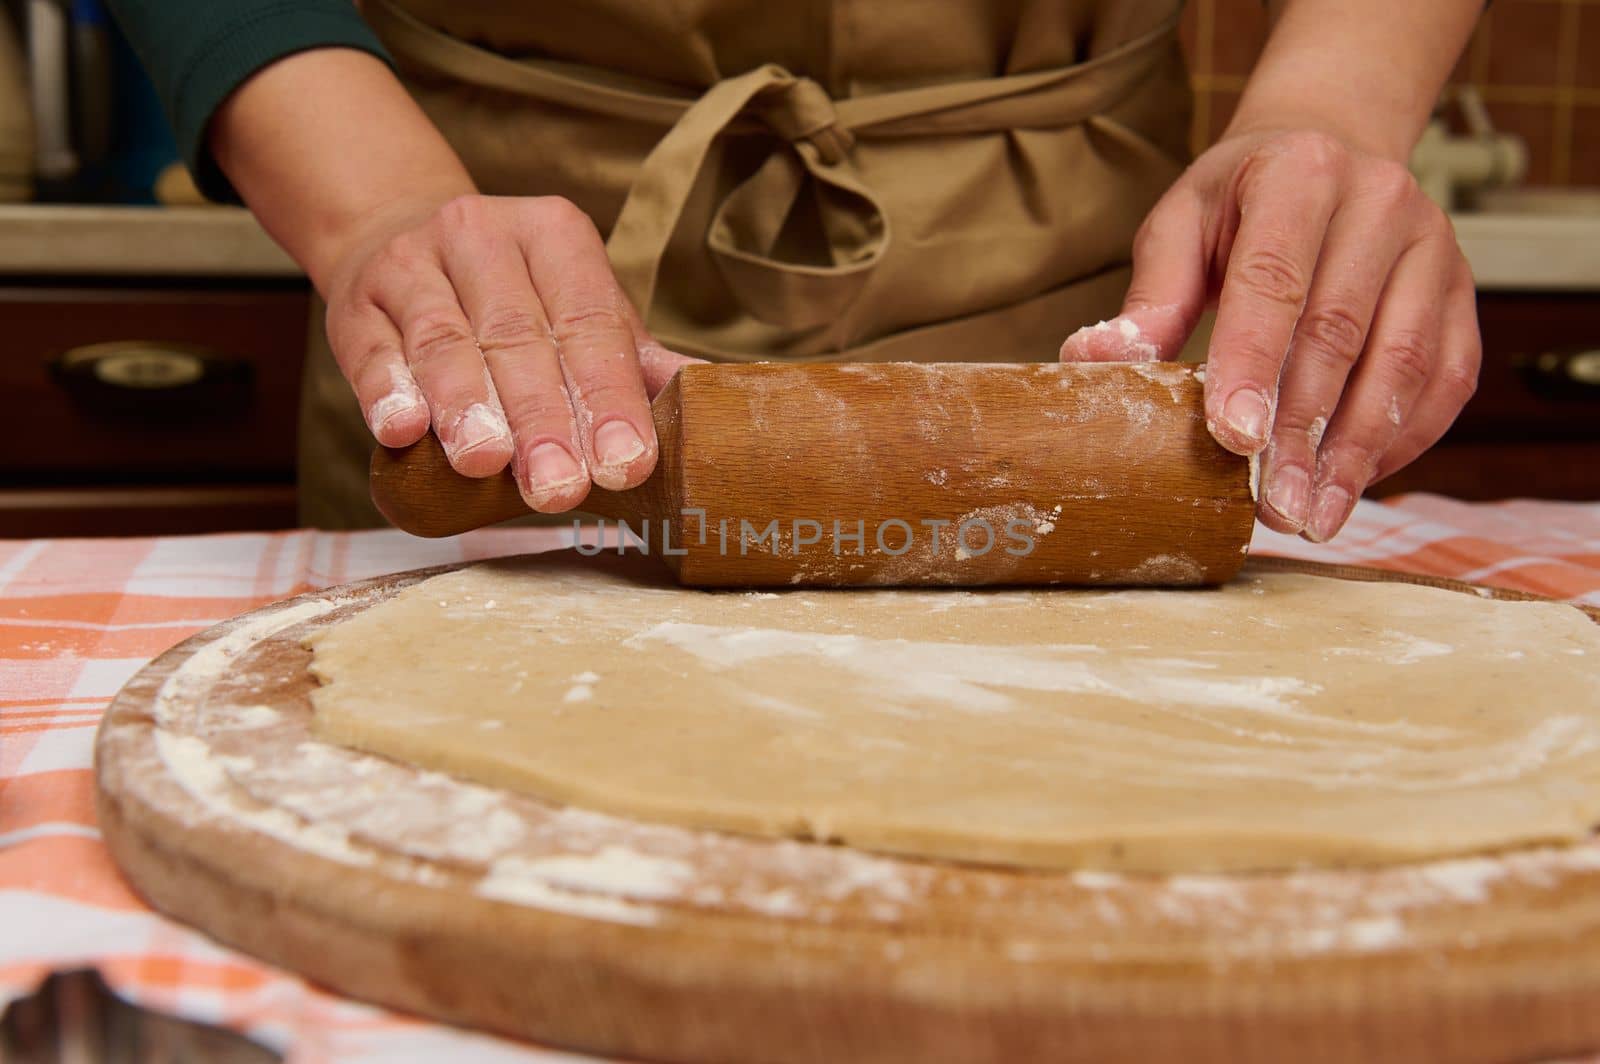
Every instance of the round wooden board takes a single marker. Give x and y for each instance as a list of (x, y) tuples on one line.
[(427, 894)]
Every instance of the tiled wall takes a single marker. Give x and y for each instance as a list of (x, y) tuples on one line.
[(1536, 63)]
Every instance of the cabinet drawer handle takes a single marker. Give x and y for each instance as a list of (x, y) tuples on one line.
[(1584, 367), (147, 377), (1564, 373)]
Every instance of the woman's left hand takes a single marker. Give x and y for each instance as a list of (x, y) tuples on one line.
[(1346, 338)]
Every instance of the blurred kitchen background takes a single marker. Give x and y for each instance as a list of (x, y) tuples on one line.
[(1534, 63), (153, 344)]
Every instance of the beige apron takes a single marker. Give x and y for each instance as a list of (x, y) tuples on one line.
[(870, 180)]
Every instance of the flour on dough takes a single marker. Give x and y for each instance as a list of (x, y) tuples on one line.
[(1283, 720)]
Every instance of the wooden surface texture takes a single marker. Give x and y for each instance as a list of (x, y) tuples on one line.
[(904, 474)]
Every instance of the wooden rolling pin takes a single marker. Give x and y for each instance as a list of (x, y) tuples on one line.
[(775, 475)]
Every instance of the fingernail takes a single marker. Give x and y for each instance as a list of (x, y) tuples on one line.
[(390, 408), (477, 426), (546, 474), (1289, 493), (1247, 413), (551, 467), (1332, 507), (616, 444)]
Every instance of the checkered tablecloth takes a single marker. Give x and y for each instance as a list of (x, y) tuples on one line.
[(79, 617)]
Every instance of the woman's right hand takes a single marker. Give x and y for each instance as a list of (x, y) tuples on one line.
[(498, 322)]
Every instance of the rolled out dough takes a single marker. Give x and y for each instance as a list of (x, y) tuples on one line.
[(1280, 721)]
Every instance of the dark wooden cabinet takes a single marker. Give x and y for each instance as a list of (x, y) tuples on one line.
[(144, 408), (167, 407), (1533, 428)]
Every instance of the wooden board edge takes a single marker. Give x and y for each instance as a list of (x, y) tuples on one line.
[(358, 932)]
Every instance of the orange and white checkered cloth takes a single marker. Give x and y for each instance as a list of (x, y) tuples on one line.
[(79, 617)]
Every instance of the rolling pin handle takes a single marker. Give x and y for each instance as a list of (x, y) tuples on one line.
[(419, 492)]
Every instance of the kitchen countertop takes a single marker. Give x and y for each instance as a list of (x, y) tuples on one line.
[(61, 240), (1508, 251), (1531, 252), (78, 617)]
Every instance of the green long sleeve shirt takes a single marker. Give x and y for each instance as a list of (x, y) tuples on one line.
[(198, 51)]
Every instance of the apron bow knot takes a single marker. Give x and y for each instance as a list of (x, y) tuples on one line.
[(799, 109), (762, 237)]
